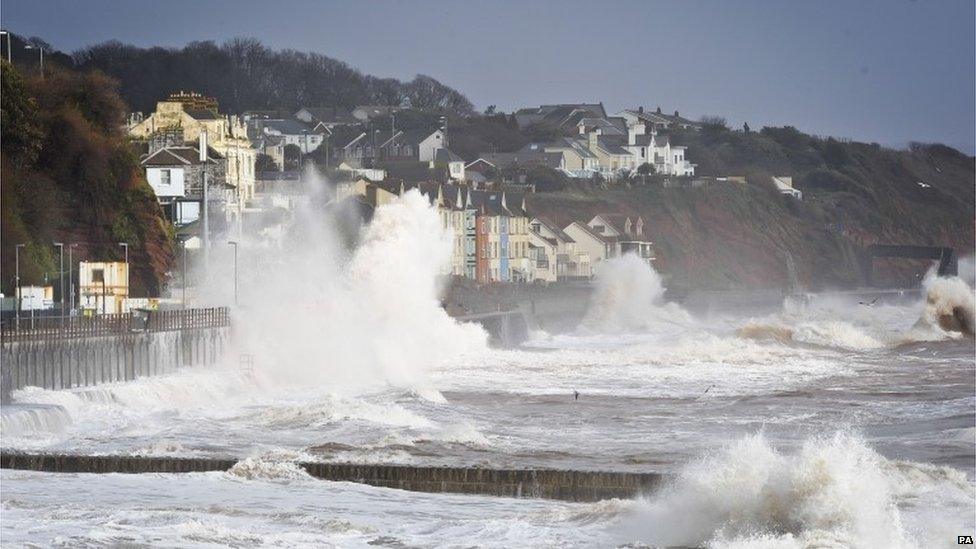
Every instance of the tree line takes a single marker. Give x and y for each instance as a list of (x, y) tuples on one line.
[(243, 74)]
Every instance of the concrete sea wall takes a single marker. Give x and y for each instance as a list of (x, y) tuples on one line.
[(536, 483)]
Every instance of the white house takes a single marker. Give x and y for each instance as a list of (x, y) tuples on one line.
[(624, 234), (453, 162), (429, 145)]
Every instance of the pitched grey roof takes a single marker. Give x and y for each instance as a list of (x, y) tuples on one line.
[(203, 114), (524, 158), (288, 127), (443, 156)]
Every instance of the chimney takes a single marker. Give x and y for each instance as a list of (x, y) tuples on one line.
[(591, 138), (640, 110), (676, 114)]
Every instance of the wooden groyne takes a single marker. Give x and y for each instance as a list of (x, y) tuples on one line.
[(56, 353), (535, 483)]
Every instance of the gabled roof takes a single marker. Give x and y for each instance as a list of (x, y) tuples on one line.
[(612, 145), (177, 156), (344, 136), (554, 229), (524, 158), (329, 115), (444, 156), (586, 230)]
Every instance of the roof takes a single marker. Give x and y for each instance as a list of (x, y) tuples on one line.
[(177, 156), (329, 115), (525, 157), (343, 136), (611, 145), (444, 156), (203, 114), (618, 222), (554, 229), (583, 227), (288, 127)]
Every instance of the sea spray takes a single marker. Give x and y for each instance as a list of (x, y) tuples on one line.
[(629, 296), (347, 307), (834, 491), (949, 305)]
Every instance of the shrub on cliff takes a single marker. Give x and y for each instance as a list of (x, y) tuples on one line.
[(69, 176)]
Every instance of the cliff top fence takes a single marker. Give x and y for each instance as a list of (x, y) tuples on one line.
[(55, 328)]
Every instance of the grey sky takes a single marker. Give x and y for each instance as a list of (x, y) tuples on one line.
[(886, 71)]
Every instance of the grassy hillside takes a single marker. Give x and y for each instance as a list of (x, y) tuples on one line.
[(733, 235), (69, 176)]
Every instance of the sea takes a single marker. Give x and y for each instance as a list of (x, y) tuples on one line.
[(824, 423)]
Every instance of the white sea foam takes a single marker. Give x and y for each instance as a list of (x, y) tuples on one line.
[(833, 492), (629, 296)]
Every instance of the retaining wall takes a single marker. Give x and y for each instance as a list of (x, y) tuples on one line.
[(538, 483)]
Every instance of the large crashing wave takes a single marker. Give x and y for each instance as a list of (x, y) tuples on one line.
[(316, 314), (833, 492), (948, 305), (629, 296)]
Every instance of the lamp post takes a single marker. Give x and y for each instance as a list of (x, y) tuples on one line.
[(125, 246), (40, 49), (17, 283), (71, 281), (184, 274), (234, 244), (60, 246), (8, 44)]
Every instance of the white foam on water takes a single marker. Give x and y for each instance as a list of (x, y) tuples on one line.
[(629, 296), (835, 491)]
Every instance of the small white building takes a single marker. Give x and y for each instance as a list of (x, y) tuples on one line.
[(455, 164), (36, 298), (429, 146), (785, 186), (103, 286)]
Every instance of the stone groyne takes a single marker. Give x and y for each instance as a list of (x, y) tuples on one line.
[(535, 483)]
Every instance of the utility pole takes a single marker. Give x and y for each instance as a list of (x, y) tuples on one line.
[(125, 246), (71, 281), (185, 277), (234, 244), (17, 283), (60, 246), (206, 202)]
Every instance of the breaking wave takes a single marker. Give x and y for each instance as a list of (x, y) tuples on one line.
[(949, 306), (833, 492), (629, 296)]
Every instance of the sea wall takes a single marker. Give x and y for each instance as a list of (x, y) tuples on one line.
[(536, 483), (77, 352)]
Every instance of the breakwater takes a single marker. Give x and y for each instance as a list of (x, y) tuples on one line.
[(56, 353), (536, 483)]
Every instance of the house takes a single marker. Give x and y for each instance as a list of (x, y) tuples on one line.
[(657, 120), (103, 286), (365, 113), (500, 161), (565, 261), (624, 234), (291, 132), (444, 158), (597, 247), (321, 118), (577, 159), (564, 116), (192, 116), (785, 186), (355, 167), (176, 175)]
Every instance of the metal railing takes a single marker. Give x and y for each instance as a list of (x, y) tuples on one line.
[(48, 328)]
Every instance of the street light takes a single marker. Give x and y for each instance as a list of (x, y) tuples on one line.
[(40, 49), (125, 246), (17, 278), (234, 244), (60, 246), (71, 281), (8, 44)]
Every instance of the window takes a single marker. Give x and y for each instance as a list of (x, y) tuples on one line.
[(164, 177), (98, 275)]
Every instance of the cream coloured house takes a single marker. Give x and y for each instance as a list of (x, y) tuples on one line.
[(195, 115)]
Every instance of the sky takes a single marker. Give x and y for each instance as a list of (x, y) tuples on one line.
[(879, 71)]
